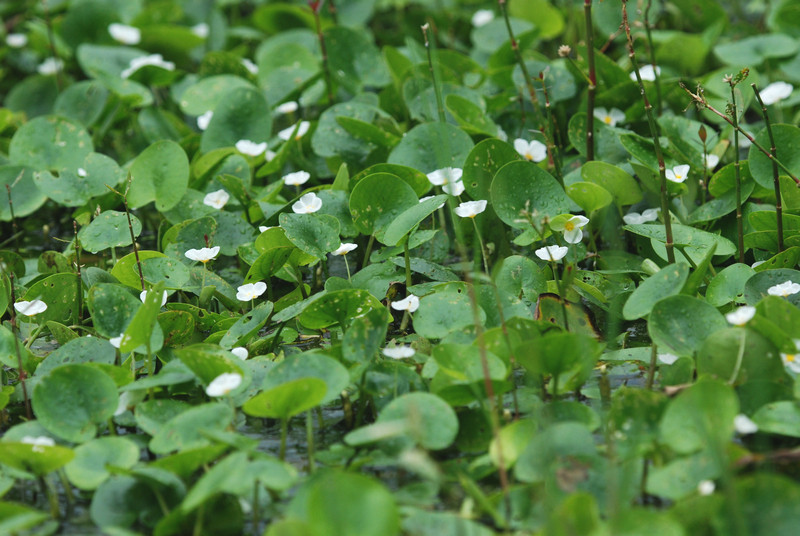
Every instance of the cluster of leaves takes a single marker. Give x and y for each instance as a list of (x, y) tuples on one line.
[(223, 220)]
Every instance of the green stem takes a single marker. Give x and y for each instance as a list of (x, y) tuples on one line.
[(739, 358), (483, 249), (437, 90), (326, 70), (775, 178), (737, 175), (651, 371), (652, 51), (587, 11)]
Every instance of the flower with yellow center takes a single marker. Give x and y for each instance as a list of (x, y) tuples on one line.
[(678, 173), (609, 117), (533, 151), (572, 229)]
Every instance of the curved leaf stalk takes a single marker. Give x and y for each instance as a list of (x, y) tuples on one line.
[(704, 186), (326, 70), (654, 132), (78, 316), (407, 259), (774, 153), (739, 358), (14, 227), (15, 332), (652, 51), (592, 89), (483, 248), (736, 166), (437, 90), (130, 227), (332, 11), (512, 359)]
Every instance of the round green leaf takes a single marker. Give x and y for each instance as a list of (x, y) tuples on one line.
[(25, 195), (442, 313), (331, 139), (353, 58), (728, 284), (622, 186), (589, 196), (757, 286), (719, 354), (520, 186), (80, 350), (431, 146), (50, 143), (37, 459), (185, 430), (416, 179), (88, 469), (755, 49), (247, 326), (108, 230), (338, 307), (112, 307), (60, 293), (378, 199), (83, 102), (206, 94), (680, 324), (482, 163), (160, 173), (667, 282), (242, 114), (287, 399), (319, 366), (787, 149), (315, 234)]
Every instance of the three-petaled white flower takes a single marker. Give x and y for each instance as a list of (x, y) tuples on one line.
[(449, 179), (30, 308), (792, 361), (16, 40), (204, 120), (632, 218), (200, 30), (573, 232), (744, 425), (787, 288), (82, 172), (50, 66), (307, 204), (667, 359), (154, 60), (609, 117), (251, 148), (534, 151), (741, 316), (482, 17), (398, 352), (678, 173), (240, 352), (127, 35), (164, 296), (552, 253), (297, 178), (38, 442), (647, 73), (776, 91), (224, 384), (216, 199), (287, 107), (410, 303), (344, 249), (470, 209), (203, 254), (706, 487), (251, 291), (711, 161), (302, 128)]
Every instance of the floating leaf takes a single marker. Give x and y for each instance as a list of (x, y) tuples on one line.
[(523, 186), (160, 173), (109, 230), (680, 324)]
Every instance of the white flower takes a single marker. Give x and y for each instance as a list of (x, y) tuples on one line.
[(203, 254), (410, 303), (572, 229), (647, 73), (127, 35), (775, 92), (444, 176), (204, 120), (307, 204), (287, 107), (470, 209), (706, 487), (30, 308), (552, 253), (251, 291), (164, 296), (264, 228), (609, 117), (224, 384), (534, 151), (16, 40), (344, 249), (38, 442), (398, 352), (741, 316), (651, 214), (429, 197), (269, 155), (791, 361), (81, 172), (249, 65), (200, 30), (116, 342), (667, 359), (297, 178), (240, 352), (251, 148), (787, 288), (744, 425), (678, 173), (482, 17), (216, 199), (711, 161), (454, 189), (757, 263), (302, 128), (155, 60), (50, 66)]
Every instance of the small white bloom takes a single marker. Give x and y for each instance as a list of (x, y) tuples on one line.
[(216, 199), (200, 30), (572, 229), (410, 303), (269, 155), (609, 117), (429, 197), (251, 291), (647, 73), (250, 66), (82, 172), (16, 40), (127, 35), (775, 92), (741, 316), (454, 188), (667, 359), (116, 342), (164, 296), (534, 151), (240, 352), (50, 66), (30, 308), (552, 253), (204, 120), (678, 173), (398, 352), (38, 442), (482, 17), (706, 487), (203, 254), (224, 384), (711, 161), (744, 425), (444, 176), (307, 204), (632, 218), (264, 228), (302, 128), (470, 209), (791, 361), (344, 249), (251, 148), (787, 288), (297, 178), (287, 107), (154, 60)]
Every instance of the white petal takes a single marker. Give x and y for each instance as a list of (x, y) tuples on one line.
[(224, 384), (240, 352), (127, 35)]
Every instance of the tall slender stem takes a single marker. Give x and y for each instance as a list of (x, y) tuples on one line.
[(437, 90), (774, 152), (555, 158), (15, 332), (79, 313), (590, 94), (326, 70), (652, 51), (737, 174), (14, 227)]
